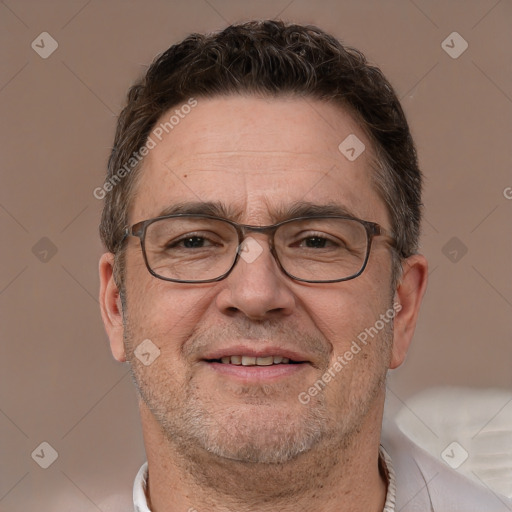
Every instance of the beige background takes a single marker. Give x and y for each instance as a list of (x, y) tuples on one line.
[(58, 381)]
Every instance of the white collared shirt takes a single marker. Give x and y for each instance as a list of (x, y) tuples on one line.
[(417, 481)]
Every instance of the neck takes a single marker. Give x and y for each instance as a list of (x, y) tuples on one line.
[(334, 476)]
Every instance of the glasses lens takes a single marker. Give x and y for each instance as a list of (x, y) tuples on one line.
[(322, 249), (190, 248)]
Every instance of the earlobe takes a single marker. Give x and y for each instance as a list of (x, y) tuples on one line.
[(111, 307), (408, 297)]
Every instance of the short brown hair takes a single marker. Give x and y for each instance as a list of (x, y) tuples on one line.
[(270, 58)]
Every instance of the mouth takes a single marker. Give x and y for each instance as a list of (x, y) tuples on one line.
[(248, 365), (254, 361)]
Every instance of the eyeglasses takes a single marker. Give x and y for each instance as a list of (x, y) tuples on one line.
[(190, 248)]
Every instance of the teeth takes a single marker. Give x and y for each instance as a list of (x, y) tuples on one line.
[(254, 361), (265, 361)]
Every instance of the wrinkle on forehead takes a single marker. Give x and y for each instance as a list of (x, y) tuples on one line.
[(233, 161), (258, 195), (259, 157)]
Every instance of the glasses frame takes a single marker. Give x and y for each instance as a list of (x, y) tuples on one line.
[(372, 229)]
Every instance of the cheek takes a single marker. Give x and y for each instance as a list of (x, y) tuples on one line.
[(349, 319), (164, 312), (344, 310)]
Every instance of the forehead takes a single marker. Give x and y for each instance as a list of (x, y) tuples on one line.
[(256, 156)]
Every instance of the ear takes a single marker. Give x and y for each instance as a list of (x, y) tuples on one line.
[(408, 297), (111, 307)]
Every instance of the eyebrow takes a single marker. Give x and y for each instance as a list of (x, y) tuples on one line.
[(277, 214), (213, 208)]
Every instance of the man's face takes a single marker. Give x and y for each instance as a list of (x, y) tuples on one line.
[(258, 157)]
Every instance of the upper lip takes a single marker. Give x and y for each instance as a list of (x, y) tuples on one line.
[(251, 351)]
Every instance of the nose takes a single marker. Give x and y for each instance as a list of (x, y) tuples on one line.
[(257, 287)]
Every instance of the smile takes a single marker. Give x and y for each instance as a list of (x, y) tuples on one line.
[(254, 361)]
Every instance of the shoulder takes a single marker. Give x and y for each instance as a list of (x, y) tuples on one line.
[(424, 483)]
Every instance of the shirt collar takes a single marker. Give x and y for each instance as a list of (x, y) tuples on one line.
[(141, 505), (389, 472), (140, 502)]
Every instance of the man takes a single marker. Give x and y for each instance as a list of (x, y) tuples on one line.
[(262, 211)]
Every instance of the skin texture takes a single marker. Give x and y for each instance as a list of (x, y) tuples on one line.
[(214, 441)]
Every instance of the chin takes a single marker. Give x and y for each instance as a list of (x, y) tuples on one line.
[(268, 434)]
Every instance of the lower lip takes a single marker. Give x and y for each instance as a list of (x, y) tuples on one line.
[(258, 373)]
